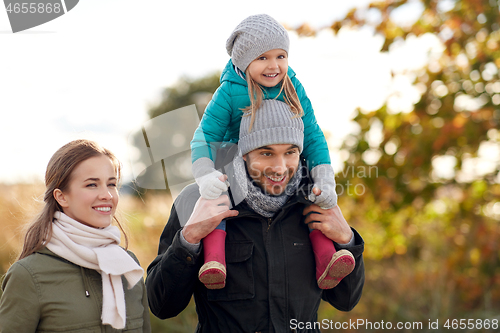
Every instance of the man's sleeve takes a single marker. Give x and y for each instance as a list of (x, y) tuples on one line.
[(347, 293), (173, 274)]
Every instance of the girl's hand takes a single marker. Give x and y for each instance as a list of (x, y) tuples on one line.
[(211, 185), (323, 193)]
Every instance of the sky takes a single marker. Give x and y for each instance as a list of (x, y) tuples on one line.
[(95, 71)]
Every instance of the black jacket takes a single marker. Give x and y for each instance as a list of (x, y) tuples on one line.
[(271, 280)]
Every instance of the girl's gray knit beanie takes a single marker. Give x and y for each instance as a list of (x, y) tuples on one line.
[(254, 36)]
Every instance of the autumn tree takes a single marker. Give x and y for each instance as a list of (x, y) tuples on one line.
[(429, 210)]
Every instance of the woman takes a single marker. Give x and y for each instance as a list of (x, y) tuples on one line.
[(71, 275)]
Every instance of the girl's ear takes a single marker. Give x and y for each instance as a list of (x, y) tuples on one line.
[(60, 198)]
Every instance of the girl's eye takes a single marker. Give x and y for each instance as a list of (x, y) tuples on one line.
[(92, 185), (281, 57), (112, 185), (262, 58)]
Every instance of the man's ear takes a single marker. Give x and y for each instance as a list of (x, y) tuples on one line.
[(60, 198)]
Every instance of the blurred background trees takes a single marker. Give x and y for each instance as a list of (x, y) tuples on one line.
[(429, 212)]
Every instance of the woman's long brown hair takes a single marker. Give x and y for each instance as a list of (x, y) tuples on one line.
[(58, 176)]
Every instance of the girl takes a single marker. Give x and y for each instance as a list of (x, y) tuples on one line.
[(258, 70), (72, 275)]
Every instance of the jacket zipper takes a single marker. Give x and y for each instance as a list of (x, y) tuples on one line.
[(269, 222), (85, 282)]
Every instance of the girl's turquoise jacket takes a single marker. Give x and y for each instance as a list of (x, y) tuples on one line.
[(222, 117)]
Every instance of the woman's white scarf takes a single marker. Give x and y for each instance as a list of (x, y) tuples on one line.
[(98, 249)]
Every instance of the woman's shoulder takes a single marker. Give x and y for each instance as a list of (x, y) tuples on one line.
[(33, 264)]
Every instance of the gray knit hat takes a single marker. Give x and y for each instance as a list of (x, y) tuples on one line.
[(254, 36), (274, 124)]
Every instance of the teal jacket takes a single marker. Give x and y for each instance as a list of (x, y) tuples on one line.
[(222, 117)]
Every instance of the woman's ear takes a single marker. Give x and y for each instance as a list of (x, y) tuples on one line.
[(60, 198)]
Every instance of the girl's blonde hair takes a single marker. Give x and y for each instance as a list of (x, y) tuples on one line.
[(256, 93), (58, 176)]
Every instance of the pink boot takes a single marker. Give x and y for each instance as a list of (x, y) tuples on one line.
[(213, 272), (331, 266)]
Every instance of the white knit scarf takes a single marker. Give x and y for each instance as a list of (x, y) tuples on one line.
[(98, 249)]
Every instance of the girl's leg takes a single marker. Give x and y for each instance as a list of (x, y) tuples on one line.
[(213, 272), (331, 265)]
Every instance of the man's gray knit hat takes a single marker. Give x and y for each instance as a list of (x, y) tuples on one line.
[(274, 123), (254, 36)]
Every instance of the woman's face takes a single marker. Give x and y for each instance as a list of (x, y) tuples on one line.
[(92, 196)]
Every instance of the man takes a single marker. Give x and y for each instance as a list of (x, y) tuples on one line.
[(271, 284)]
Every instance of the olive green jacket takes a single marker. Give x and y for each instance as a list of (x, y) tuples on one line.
[(46, 293)]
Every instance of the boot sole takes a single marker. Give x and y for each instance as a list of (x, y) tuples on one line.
[(341, 265), (213, 275)]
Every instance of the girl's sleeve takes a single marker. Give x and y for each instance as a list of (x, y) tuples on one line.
[(315, 147), (213, 125), (19, 305)]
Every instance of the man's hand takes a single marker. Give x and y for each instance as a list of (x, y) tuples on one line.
[(206, 216), (330, 222)]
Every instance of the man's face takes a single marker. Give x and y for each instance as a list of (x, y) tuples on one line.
[(272, 167)]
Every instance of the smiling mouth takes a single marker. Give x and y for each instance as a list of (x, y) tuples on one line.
[(276, 179), (271, 75), (103, 209)]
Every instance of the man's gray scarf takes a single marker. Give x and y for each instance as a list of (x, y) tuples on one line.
[(262, 203)]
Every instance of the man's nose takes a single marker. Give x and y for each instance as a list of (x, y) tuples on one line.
[(279, 165)]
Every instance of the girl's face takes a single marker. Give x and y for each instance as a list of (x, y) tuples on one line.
[(270, 68), (92, 195)]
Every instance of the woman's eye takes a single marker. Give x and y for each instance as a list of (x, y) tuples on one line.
[(92, 185), (112, 185)]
